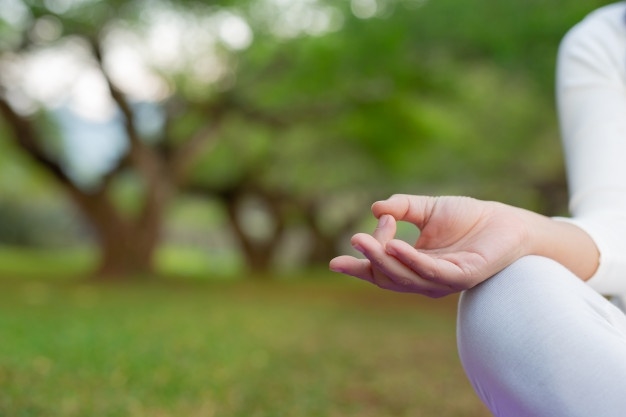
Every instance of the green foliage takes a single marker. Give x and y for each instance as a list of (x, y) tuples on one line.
[(52, 264), (439, 96), (519, 35), (333, 99), (20, 178), (46, 225), (126, 193)]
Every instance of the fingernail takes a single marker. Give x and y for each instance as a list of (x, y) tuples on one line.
[(358, 247), (382, 222), (390, 250)]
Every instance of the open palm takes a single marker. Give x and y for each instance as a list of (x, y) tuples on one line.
[(462, 242)]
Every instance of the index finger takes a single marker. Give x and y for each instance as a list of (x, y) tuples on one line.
[(385, 230), (404, 207)]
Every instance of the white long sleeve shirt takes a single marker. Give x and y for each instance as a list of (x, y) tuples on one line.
[(591, 96)]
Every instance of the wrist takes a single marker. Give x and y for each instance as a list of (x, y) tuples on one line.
[(563, 242), (528, 224)]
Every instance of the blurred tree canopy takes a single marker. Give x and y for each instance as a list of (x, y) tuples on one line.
[(295, 113)]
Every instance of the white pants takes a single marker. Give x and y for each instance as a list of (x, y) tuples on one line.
[(535, 341)]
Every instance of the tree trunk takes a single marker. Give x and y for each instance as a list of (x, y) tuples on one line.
[(325, 243), (127, 253), (259, 254), (127, 246), (324, 249)]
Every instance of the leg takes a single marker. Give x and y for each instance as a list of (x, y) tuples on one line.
[(535, 341)]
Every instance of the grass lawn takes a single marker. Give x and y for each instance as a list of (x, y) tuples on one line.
[(317, 347)]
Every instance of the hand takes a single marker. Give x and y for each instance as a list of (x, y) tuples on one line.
[(462, 242)]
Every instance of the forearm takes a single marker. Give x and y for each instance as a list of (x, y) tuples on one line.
[(561, 241)]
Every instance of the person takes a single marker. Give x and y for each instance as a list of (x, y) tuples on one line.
[(536, 334)]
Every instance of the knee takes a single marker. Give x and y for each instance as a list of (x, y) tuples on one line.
[(512, 331), (498, 319), (486, 311), (520, 304), (519, 293), (494, 311)]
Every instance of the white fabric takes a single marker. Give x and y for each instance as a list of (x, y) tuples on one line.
[(536, 341), (591, 93)]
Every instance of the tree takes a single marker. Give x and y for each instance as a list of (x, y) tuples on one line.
[(304, 111), (159, 164)]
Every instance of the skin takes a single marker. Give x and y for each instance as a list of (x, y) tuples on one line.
[(462, 242)]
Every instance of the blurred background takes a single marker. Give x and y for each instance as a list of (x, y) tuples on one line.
[(210, 157)]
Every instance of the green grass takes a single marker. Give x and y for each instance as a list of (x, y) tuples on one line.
[(46, 263), (331, 347), (63, 263)]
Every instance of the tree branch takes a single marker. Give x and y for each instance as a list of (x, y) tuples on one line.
[(183, 159), (145, 159), (25, 136), (254, 114), (118, 97), (207, 135)]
